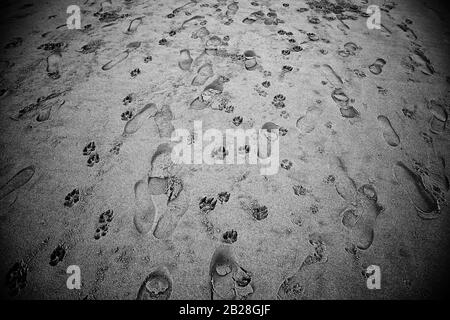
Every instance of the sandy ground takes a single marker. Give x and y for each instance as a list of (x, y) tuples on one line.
[(364, 151)]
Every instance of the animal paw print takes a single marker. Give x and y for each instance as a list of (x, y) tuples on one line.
[(229, 108), (297, 48), (127, 115), (162, 42), (207, 204), (116, 148), (58, 254), (237, 120), (286, 164), (283, 131), (148, 59), (219, 153), (330, 179), (229, 236), (244, 149), (103, 224), (223, 197), (284, 114), (287, 68), (72, 198), (16, 279), (314, 209), (299, 190), (266, 84), (259, 212), (285, 52), (174, 187), (278, 101), (89, 148), (134, 73), (128, 99), (93, 158)]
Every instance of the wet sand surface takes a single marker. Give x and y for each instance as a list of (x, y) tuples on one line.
[(86, 176)]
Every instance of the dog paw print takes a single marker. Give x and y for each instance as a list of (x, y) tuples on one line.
[(229, 236), (258, 211), (103, 224), (172, 33), (244, 149), (283, 131), (284, 114), (237, 120), (134, 73), (287, 68), (72, 198), (115, 148), (285, 52), (174, 187), (299, 190), (127, 115), (297, 48), (286, 164), (330, 179), (296, 219), (219, 153), (148, 59), (223, 197), (266, 84), (93, 158), (207, 204), (89, 148), (128, 99), (16, 278), (162, 42), (229, 108), (278, 101), (314, 209), (58, 254)]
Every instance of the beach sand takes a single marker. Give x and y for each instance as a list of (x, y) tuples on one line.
[(86, 176)]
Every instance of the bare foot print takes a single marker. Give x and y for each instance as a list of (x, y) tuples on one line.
[(132, 126), (413, 186), (157, 285), (307, 123), (144, 215), (54, 65), (163, 120), (302, 284), (203, 74), (133, 26), (228, 280), (185, 60), (17, 181), (360, 219), (389, 134), (172, 214), (116, 60), (439, 118)]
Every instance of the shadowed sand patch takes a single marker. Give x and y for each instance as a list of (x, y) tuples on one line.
[(157, 286), (426, 205), (228, 280), (132, 126), (389, 134), (360, 219), (17, 181), (144, 215)]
